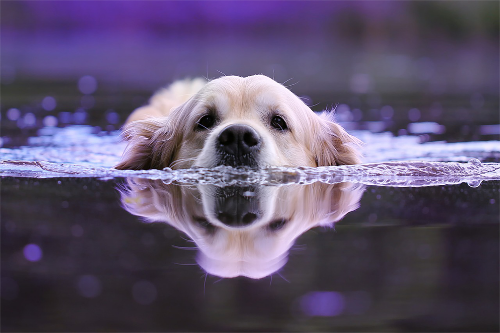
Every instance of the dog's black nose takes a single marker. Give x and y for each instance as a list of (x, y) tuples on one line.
[(239, 140)]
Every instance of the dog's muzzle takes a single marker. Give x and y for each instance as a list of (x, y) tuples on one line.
[(238, 145)]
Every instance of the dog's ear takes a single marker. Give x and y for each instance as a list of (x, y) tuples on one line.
[(334, 146), (152, 144)]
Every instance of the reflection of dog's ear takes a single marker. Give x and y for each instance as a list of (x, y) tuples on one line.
[(321, 204), (330, 203), (152, 143), (152, 200), (155, 201), (335, 146), (317, 204)]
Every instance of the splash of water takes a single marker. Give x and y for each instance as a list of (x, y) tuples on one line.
[(76, 152), (404, 174)]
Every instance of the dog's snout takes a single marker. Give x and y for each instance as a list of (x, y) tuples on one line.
[(239, 140)]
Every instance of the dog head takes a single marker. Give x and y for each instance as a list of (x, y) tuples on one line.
[(236, 121), (241, 231)]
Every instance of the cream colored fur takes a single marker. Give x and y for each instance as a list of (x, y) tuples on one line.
[(254, 250), (162, 133)]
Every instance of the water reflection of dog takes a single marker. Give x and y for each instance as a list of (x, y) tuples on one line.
[(241, 231)]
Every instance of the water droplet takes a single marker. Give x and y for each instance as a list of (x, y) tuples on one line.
[(475, 162), (474, 183)]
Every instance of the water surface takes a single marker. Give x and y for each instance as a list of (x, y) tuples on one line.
[(407, 241)]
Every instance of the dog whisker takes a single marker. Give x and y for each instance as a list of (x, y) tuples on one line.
[(291, 85), (185, 248), (281, 276), (218, 281), (283, 83), (179, 264), (182, 160)]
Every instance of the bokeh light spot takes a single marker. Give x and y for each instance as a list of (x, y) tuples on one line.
[(322, 304), (386, 112), (87, 84), (89, 286), (32, 252), (77, 230), (360, 83), (112, 117), (80, 116), (13, 114), (50, 121), (414, 114), (29, 119), (49, 103)]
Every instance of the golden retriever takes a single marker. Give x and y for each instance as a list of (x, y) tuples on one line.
[(234, 121), (241, 231)]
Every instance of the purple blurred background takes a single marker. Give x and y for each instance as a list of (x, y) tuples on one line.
[(359, 47)]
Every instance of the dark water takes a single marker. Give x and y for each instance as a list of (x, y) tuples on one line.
[(408, 259), (411, 246)]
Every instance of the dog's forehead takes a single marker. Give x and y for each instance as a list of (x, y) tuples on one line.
[(253, 91)]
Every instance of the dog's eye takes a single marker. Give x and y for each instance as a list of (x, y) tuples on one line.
[(279, 123), (205, 122), (277, 224)]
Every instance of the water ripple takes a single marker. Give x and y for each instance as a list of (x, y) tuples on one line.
[(404, 174), (76, 151)]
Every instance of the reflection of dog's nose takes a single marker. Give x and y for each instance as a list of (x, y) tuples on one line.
[(235, 210), (233, 219), (239, 140)]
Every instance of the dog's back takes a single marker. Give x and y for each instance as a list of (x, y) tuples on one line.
[(168, 98)]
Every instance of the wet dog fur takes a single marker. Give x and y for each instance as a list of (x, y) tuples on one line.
[(252, 121)]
